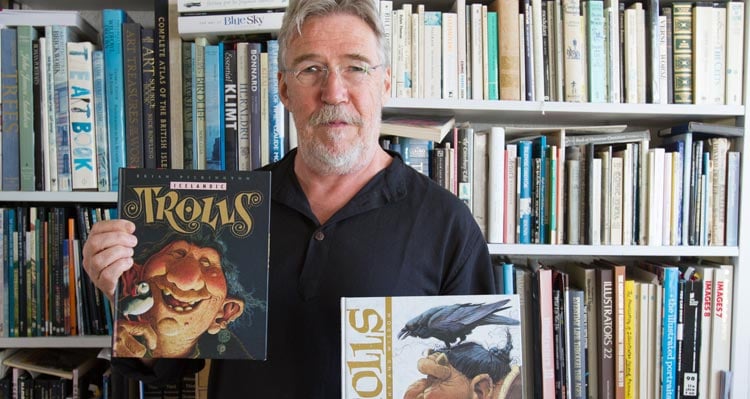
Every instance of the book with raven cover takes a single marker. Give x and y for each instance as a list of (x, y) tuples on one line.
[(409, 347), (198, 287)]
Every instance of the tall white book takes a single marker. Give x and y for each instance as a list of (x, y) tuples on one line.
[(703, 32), (450, 56), (81, 108), (719, 53), (573, 51), (477, 62), (496, 186), (734, 52), (433, 55), (614, 56), (655, 195), (386, 18), (459, 7)]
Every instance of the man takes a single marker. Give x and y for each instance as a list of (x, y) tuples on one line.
[(183, 292), (347, 218)]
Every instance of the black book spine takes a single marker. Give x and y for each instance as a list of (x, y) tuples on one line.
[(148, 80), (161, 83), (230, 109)]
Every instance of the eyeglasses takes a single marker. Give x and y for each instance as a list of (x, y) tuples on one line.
[(314, 75)]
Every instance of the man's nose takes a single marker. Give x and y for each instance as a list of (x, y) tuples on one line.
[(334, 88)]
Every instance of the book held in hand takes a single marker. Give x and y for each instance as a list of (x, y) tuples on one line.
[(407, 347), (198, 286)]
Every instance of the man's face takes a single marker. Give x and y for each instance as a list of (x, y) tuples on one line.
[(338, 121), (189, 290)]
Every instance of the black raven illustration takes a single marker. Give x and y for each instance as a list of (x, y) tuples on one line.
[(454, 322)]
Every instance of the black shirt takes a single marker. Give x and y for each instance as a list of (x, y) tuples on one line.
[(401, 234)]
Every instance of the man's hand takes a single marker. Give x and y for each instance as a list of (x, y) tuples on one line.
[(126, 344), (108, 252)]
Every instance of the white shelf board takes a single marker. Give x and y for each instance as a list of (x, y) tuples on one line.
[(610, 250), (93, 341), (561, 113), (73, 197)]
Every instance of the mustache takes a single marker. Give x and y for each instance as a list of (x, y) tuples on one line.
[(332, 113)]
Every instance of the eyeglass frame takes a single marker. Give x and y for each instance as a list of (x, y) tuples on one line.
[(327, 70)]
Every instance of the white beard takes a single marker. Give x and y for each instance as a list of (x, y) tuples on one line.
[(327, 161)]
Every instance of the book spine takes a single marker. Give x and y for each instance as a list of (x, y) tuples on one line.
[(597, 57), (733, 198), (112, 20), (82, 127), (243, 106), (492, 56), (166, 149), (255, 102), (214, 93), (578, 341), (151, 143), (100, 121), (682, 52), (721, 327), (734, 52), (449, 60), (212, 25), (26, 36), (199, 103), (689, 343), (718, 147), (465, 145), (572, 35), (630, 339), (433, 51), (11, 179), (40, 113), (188, 53), (231, 159), (275, 107), (265, 145), (496, 186), (524, 201), (133, 94), (607, 384), (50, 134), (669, 332), (508, 51), (188, 6)]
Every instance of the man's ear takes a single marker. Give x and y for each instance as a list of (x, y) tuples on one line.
[(230, 310), (283, 95), (482, 386)]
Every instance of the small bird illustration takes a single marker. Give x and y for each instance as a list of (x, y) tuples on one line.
[(138, 304), (453, 323)]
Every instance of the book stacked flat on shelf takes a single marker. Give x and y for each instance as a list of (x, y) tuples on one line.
[(216, 18), (186, 296), (419, 127), (408, 346)]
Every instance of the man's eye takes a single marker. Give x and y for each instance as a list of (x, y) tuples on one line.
[(356, 69), (312, 70)]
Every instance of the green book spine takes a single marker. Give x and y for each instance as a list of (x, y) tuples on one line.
[(682, 45)]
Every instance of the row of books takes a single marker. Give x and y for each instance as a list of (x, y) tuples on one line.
[(572, 185), (88, 113), (46, 291), (31, 373), (604, 328), (568, 50)]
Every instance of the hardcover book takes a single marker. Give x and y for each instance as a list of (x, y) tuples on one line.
[(407, 347), (198, 288)]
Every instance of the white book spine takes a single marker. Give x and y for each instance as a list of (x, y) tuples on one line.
[(676, 204), (573, 51), (627, 195), (596, 191), (537, 45), (459, 7), (417, 55), (433, 50), (663, 75), (511, 193), (450, 56), (631, 57), (702, 33), (721, 329), (734, 51), (212, 25), (81, 106), (496, 186), (733, 198), (477, 73), (616, 209), (718, 54), (641, 56), (386, 18), (655, 195), (614, 57)]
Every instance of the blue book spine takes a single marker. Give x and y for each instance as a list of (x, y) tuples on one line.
[(100, 121), (597, 82), (524, 199), (492, 51), (214, 92), (540, 212), (10, 263), (254, 50), (26, 37), (10, 145), (222, 128), (508, 279), (669, 332), (275, 108), (416, 153), (112, 20)]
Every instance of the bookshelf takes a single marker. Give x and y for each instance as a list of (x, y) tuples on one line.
[(509, 113)]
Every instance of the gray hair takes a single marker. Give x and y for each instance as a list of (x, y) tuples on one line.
[(299, 10)]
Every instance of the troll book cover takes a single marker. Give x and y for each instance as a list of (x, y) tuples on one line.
[(421, 346), (198, 287)]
